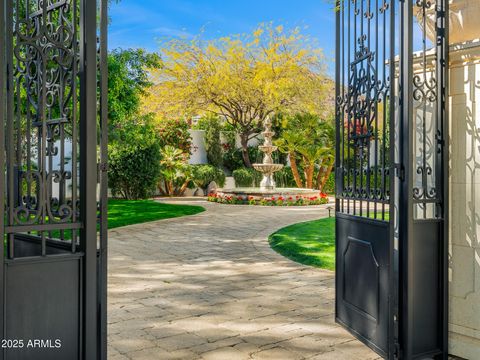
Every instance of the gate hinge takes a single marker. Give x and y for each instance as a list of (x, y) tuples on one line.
[(397, 351), (400, 171), (102, 167), (440, 140)]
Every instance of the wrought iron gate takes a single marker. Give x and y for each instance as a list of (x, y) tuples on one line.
[(391, 171), (53, 293)]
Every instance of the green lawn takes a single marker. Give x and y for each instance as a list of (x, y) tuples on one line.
[(310, 243), (128, 212)]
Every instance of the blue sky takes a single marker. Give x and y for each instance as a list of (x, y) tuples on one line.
[(140, 23)]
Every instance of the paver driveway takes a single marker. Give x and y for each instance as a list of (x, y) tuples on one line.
[(209, 287)]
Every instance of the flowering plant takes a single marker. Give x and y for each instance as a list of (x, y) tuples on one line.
[(270, 201)]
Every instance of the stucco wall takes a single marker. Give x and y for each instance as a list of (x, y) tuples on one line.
[(465, 201), (198, 154)]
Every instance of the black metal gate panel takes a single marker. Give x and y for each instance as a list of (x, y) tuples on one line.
[(53, 272), (391, 255), (365, 105)]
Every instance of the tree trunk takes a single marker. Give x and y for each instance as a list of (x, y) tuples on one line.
[(321, 173), (183, 188), (320, 177), (327, 175), (245, 155), (160, 190), (293, 165), (163, 189), (309, 172), (169, 187)]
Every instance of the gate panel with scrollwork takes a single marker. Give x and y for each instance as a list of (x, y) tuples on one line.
[(53, 271), (365, 104)]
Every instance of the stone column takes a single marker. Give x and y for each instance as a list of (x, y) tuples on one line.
[(464, 270), (465, 200)]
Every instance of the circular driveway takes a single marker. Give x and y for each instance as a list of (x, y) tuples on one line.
[(209, 286)]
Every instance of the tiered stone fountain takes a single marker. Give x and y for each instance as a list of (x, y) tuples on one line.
[(268, 168)]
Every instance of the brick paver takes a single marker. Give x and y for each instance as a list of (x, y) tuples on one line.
[(210, 287)]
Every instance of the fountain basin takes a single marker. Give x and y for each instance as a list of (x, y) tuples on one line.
[(253, 193), (268, 148), (268, 168)]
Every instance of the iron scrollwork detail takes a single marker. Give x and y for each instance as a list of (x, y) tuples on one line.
[(427, 135), (363, 105), (45, 61)]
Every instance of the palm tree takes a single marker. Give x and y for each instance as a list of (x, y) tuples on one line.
[(310, 140), (311, 154), (327, 132), (173, 165), (288, 144)]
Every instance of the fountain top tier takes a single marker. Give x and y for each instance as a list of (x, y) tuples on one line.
[(268, 146)]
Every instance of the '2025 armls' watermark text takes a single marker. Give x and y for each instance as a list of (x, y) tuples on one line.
[(31, 344)]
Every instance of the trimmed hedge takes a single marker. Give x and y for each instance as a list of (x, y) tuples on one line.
[(245, 177)]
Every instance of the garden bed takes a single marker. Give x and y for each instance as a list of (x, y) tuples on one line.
[(261, 200)]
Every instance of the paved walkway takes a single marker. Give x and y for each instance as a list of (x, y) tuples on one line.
[(209, 287)]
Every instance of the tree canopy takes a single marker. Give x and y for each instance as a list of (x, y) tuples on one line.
[(243, 78), (128, 81), (134, 145)]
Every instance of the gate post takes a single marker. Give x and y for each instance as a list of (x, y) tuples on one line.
[(88, 169), (3, 97), (405, 198), (423, 197), (103, 176)]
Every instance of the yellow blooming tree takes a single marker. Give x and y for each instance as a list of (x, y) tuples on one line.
[(243, 79)]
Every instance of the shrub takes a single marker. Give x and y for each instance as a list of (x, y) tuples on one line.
[(134, 163), (243, 177), (233, 160), (229, 135), (203, 175), (175, 133)]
